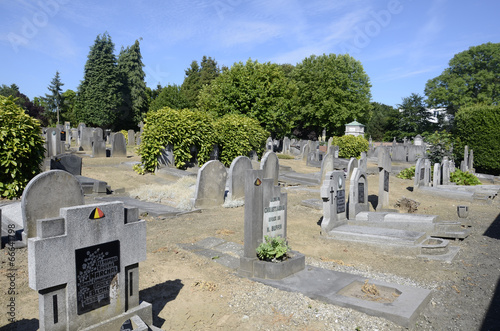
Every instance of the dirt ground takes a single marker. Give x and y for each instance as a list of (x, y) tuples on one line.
[(193, 293)]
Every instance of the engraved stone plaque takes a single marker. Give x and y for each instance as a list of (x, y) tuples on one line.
[(340, 201), (96, 267), (361, 192)]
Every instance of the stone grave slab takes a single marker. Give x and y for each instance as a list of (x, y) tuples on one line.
[(210, 185), (333, 287), (97, 286), (67, 162), (150, 208)]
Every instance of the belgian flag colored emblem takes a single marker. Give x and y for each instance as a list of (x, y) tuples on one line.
[(96, 214), (257, 182)]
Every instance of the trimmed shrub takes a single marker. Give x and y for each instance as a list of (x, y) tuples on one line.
[(21, 148), (238, 135), (464, 178), (350, 146), (183, 129), (477, 127)]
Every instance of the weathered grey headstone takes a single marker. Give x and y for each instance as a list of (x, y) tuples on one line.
[(53, 140), (45, 194), (138, 139), (86, 139), (333, 193), (84, 263), (419, 179), (67, 162), (418, 140), (327, 165), (384, 170), (265, 215), (415, 152), (446, 171), (286, 145), (131, 138), (330, 140), (253, 156), (166, 157), (210, 185), (119, 145), (436, 179), (464, 165), (363, 162), (305, 152), (269, 144), (399, 153), (358, 193), (353, 163), (427, 174), (470, 164), (98, 144), (79, 136), (236, 179), (271, 167)]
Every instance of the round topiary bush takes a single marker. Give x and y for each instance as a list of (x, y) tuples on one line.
[(21, 148)]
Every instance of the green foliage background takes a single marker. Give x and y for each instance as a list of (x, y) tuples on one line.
[(350, 146), (238, 135), (21, 148), (478, 127)]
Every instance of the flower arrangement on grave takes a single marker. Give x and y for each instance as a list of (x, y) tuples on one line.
[(273, 249)]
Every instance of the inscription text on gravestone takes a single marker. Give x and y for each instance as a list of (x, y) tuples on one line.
[(361, 192), (274, 219), (340, 201), (96, 267)]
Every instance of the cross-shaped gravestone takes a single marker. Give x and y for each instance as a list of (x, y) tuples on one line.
[(85, 267), (333, 195)]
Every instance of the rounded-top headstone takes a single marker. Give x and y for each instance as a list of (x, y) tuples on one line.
[(270, 165), (45, 194)]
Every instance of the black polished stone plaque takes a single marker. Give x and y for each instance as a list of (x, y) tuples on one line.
[(422, 174), (340, 201), (361, 192), (386, 180), (96, 267)]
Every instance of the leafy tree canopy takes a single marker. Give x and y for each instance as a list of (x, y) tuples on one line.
[(257, 90), (473, 77), (197, 77), (382, 119), (414, 117), (333, 90), (170, 96)]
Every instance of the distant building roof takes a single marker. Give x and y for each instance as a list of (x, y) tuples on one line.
[(355, 123)]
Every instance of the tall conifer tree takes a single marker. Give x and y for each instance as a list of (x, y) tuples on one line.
[(54, 100), (99, 96), (134, 88)]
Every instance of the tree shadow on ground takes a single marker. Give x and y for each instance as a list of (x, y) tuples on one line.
[(373, 199), (159, 295), (24, 325), (491, 320)]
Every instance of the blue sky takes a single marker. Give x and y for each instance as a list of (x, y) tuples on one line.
[(401, 44)]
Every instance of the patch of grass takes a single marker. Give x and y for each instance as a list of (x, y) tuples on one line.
[(285, 156)]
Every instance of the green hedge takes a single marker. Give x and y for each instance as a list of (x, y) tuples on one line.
[(238, 135), (234, 134), (350, 146), (21, 148), (183, 129), (478, 127)]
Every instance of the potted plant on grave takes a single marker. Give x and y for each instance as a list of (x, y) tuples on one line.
[(273, 249), (276, 260)]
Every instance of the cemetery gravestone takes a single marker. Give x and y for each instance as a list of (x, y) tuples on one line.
[(97, 285), (86, 139), (384, 168), (269, 144), (399, 153), (236, 180), (53, 141), (271, 167), (446, 171), (427, 173), (358, 193), (419, 179), (131, 138), (305, 152), (363, 162), (265, 215), (167, 157), (210, 185), (353, 163), (98, 144), (436, 180), (118, 145), (45, 194), (327, 165), (79, 136), (286, 145), (334, 201), (67, 162)]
